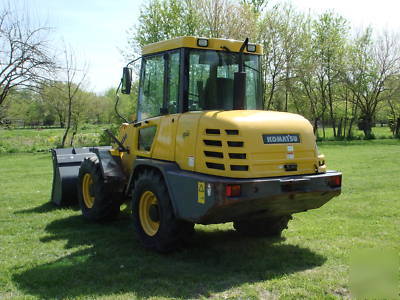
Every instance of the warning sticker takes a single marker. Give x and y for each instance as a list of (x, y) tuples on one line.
[(201, 192)]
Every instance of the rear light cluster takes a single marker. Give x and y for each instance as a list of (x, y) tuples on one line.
[(335, 181), (232, 190)]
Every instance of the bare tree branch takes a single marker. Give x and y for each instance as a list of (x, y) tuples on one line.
[(24, 56)]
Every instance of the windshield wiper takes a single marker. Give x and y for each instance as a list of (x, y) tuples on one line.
[(254, 69), (247, 66)]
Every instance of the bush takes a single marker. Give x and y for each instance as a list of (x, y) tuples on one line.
[(105, 139)]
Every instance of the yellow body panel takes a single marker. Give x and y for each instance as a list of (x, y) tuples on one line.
[(163, 146), (182, 138), (191, 42), (164, 143), (254, 159), (186, 140), (129, 135)]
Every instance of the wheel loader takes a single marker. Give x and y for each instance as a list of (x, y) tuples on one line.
[(201, 151)]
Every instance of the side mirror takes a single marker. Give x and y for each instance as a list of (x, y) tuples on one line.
[(126, 80)]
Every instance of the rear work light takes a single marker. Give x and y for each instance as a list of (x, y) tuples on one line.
[(335, 181), (202, 42), (232, 190), (251, 48)]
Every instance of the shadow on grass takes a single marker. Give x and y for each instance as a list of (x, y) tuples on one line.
[(107, 260), (45, 208)]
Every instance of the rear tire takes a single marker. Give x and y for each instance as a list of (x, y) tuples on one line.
[(97, 199), (271, 227), (153, 216)]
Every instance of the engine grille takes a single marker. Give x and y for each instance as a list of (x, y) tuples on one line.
[(227, 156)]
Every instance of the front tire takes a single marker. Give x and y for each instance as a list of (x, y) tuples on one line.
[(271, 227), (97, 200), (153, 216)]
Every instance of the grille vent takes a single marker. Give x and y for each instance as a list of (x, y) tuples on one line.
[(211, 165), (213, 143), (237, 155), (232, 132), (212, 131), (235, 144), (239, 168), (223, 134), (214, 154)]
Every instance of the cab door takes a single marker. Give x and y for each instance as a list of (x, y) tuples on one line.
[(157, 106)]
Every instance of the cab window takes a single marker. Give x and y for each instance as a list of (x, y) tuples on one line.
[(211, 80), (158, 93), (152, 87), (173, 84)]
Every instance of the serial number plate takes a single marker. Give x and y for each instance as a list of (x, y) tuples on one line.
[(281, 138)]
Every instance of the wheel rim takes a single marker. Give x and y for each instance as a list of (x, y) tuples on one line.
[(147, 200), (86, 186)]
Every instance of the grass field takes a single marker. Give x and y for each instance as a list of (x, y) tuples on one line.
[(53, 253), (41, 140), (379, 133)]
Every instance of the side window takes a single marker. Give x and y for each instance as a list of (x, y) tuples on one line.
[(173, 77), (199, 74), (152, 87)]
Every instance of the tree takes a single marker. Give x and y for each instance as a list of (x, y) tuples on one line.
[(24, 54), (166, 19), (52, 95), (256, 5), (226, 19), (329, 41), (393, 102), (73, 78), (371, 65)]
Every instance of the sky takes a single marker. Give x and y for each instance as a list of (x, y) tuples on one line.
[(97, 29)]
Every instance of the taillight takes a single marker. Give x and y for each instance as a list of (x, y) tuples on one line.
[(335, 181), (232, 190)]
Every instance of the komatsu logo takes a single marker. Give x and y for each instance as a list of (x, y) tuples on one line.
[(281, 138)]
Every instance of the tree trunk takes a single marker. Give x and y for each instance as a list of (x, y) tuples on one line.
[(74, 132), (367, 127), (397, 128), (68, 122), (345, 117), (339, 128), (271, 93), (64, 137), (71, 143), (316, 127), (349, 134)]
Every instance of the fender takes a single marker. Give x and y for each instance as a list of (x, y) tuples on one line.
[(110, 165), (164, 167)]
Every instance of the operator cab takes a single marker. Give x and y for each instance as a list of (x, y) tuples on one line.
[(196, 74)]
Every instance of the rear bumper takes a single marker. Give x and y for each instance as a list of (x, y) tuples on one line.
[(202, 198)]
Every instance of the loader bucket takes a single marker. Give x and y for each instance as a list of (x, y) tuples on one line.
[(66, 163)]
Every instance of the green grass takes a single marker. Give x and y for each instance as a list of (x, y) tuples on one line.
[(53, 253), (379, 133), (41, 140)]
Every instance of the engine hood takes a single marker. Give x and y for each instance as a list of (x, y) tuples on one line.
[(251, 143)]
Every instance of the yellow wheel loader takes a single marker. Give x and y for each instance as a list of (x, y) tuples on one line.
[(202, 150)]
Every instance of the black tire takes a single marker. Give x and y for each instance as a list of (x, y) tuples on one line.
[(168, 232), (271, 227), (105, 199)]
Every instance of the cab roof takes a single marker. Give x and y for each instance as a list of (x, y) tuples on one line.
[(192, 42)]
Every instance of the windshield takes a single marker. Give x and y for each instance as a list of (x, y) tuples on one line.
[(211, 76)]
